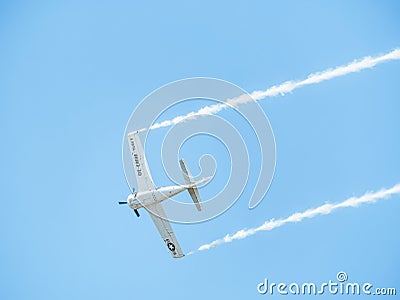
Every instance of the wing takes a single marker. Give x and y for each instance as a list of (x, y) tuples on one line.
[(143, 177), (165, 230)]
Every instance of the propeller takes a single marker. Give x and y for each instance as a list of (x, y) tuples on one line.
[(126, 202)]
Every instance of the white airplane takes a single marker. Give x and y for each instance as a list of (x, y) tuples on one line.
[(149, 197)]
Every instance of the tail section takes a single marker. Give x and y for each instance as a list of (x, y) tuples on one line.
[(193, 191)]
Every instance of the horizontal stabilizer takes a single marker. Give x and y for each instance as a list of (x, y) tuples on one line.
[(192, 188)]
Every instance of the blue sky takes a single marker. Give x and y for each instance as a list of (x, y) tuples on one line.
[(71, 74)]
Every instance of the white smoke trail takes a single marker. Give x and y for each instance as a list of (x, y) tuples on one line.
[(286, 87), (325, 209)]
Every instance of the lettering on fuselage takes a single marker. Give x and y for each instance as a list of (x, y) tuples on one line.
[(138, 169), (136, 158)]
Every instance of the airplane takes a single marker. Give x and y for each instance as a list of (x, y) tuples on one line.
[(149, 197)]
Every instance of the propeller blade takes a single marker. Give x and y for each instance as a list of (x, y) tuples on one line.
[(122, 202), (136, 212)]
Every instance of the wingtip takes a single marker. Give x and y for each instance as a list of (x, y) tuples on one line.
[(137, 131)]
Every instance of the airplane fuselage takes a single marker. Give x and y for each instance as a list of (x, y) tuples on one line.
[(145, 198)]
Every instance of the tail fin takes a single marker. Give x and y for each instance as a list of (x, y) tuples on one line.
[(192, 189)]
